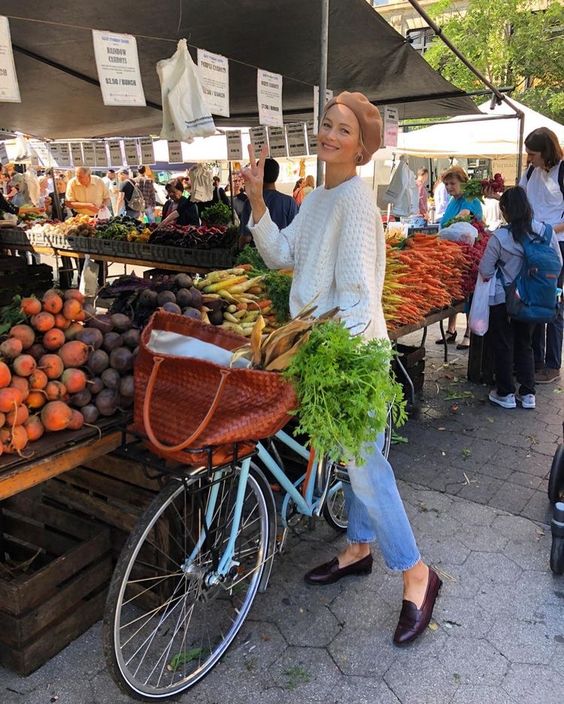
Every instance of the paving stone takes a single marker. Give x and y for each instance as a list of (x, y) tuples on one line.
[(524, 460), (524, 479), (462, 618), (511, 497), (491, 567), (421, 680), (475, 661), (530, 684), (310, 673), (480, 487), (538, 508), (468, 513), (523, 641), (255, 637), (470, 694)]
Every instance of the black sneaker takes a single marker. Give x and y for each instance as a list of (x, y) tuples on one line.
[(450, 338)]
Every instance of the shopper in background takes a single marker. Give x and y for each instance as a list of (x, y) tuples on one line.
[(511, 339), (179, 209), (440, 197), (543, 182), (240, 197), (87, 194), (308, 186), (219, 194), (458, 206), (110, 179), (337, 249), (282, 208), (186, 185), (18, 191), (127, 188), (297, 189), (147, 187), (421, 181)]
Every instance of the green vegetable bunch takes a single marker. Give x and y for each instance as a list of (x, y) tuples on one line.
[(250, 255), (11, 315), (278, 290), (472, 189), (217, 214), (345, 388)]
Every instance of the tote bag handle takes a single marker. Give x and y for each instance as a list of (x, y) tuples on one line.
[(157, 361)]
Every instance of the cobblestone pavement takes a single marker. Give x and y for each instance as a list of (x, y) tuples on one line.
[(473, 478)]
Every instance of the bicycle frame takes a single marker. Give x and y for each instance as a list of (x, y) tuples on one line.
[(306, 504)]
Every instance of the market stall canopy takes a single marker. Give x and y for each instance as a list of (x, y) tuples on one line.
[(55, 60), (476, 137)]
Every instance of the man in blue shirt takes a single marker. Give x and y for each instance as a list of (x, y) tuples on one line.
[(282, 208)]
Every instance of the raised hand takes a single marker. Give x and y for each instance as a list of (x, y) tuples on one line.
[(253, 174)]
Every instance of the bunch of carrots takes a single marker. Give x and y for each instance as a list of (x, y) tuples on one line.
[(425, 275)]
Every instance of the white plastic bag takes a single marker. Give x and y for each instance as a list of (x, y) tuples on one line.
[(185, 114), (462, 232), (88, 284), (104, 213), (479, 316)]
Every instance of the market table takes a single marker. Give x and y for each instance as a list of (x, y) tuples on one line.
[(56, 453), (435, 317)]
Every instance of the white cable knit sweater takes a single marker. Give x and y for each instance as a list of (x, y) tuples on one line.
[(337, 249)]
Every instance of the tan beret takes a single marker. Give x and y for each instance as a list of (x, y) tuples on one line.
[(368, 117)]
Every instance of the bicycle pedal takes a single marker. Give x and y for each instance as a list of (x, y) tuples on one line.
[(342, 473)]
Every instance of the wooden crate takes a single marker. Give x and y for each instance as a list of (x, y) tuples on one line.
[(112, 490), (61, 592)]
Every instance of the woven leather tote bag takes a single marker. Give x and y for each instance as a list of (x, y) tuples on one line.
[(184, 406)]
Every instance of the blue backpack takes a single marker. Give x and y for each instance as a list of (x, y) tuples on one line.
[(532, 297)]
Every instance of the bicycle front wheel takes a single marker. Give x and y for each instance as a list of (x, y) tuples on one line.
[(168, 618)]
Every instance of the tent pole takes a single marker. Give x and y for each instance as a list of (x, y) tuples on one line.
[(500, 96), (520, 154), (323, 74)]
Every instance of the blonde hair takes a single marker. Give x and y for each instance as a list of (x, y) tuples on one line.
[(455, 172), (309, 181)]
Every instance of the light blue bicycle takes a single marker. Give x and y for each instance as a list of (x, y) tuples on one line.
[(189, 572)]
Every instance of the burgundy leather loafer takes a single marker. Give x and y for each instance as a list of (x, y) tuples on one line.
[(413, 621), (329, 572)]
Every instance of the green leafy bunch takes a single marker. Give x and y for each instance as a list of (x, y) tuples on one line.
[(217, 214), (250, 255), (345, 388), (278, 287), (473, 189)]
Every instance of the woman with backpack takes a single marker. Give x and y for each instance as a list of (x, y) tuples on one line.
[(511, 339), (543, 182)]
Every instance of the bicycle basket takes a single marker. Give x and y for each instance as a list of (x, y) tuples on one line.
[(184, 406)]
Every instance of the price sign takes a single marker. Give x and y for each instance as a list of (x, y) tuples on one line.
[(296, 139), (88, 153), (118, 68), (391, 126), (9, 88), (100, 154), (312, 138), (234, 145), (64, 155), (76, 153), (147, 150), (269, 97), (214, 77), (258, 139), (175, 153), (131, 152), (277, 141), (116, 159), (55, 153)]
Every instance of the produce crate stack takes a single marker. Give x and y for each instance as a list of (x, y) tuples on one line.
[(19, 277), (413, 361), (53, 579)]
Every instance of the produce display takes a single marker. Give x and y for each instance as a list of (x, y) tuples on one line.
[(192, 237), (478, 189), (231, 298), (62, 367)]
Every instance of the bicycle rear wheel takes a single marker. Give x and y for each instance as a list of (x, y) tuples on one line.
[(168, 620)]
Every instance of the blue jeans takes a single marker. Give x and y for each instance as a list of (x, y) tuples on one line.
[(376, 512), (550, 354)]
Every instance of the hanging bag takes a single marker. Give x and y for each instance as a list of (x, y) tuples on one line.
[(185, 114), (479, 316), (186, 405)]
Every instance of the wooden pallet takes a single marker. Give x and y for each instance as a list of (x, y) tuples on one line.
[(61, 592), (109, 489)]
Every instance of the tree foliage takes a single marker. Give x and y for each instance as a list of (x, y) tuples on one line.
[(511, 42)]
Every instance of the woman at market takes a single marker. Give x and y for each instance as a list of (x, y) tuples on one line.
[(458, 207), (178, 209), (307, 187), (421, 181), (511, 339), (297, 189), (336, 248), (543, 182)]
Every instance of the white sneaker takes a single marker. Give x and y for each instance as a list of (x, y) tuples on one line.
[(503, 401), (527, 400)]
